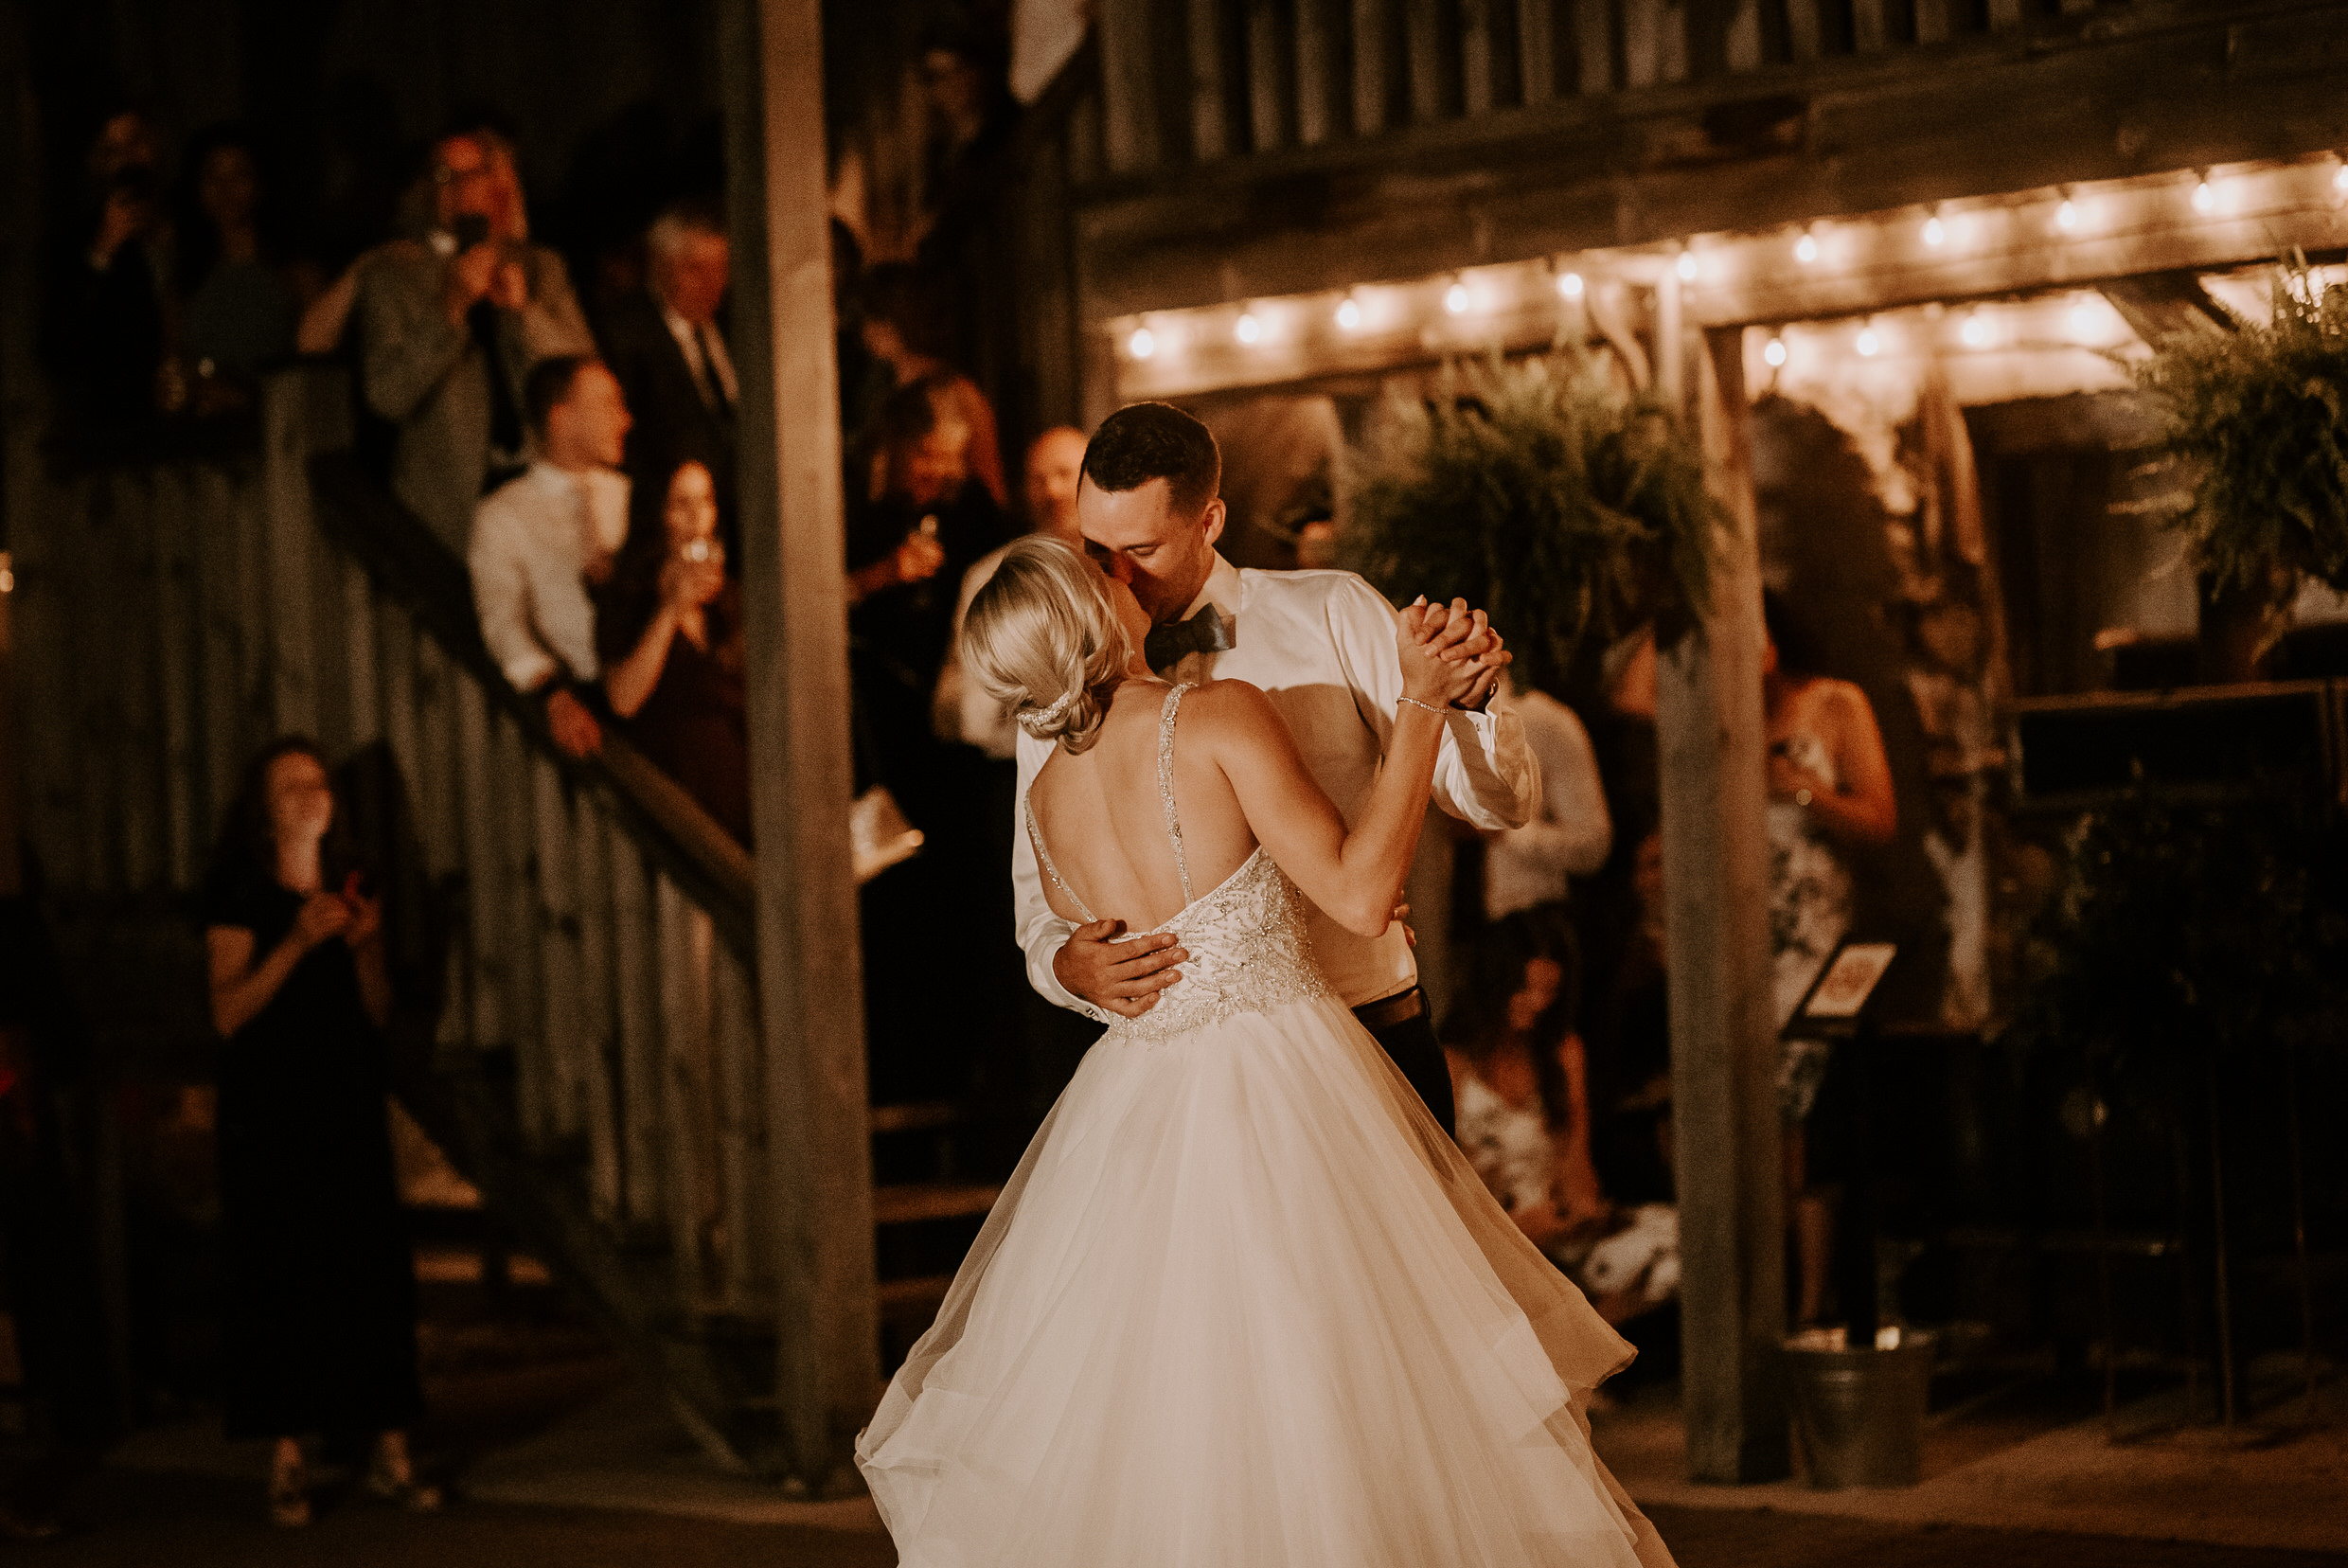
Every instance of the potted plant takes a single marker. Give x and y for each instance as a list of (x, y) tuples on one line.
[(2260, 416), (1543, 492)]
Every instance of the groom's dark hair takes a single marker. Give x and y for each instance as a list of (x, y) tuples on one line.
[(1155, 440)]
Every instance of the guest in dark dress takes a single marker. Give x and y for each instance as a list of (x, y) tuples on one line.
[(669, 634), (320, 1319)]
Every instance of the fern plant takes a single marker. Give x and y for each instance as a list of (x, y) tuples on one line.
[(1542, 492), (2260, 415)]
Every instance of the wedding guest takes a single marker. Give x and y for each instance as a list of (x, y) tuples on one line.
[(320, 1316), (670, 631), (929, 516), (106, 333), (1830, 792), (543, 542), (1048, 491), (664, 344), (242, 303), (907, 324), (1570, 835), (450, 328)]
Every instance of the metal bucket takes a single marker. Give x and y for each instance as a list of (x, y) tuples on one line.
[(1859, 1415)]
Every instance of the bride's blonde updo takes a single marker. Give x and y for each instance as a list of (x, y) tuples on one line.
[(1042, 638)]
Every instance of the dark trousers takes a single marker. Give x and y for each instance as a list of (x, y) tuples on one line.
[(1413, 1045)]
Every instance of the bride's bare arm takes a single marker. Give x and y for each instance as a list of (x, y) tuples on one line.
[(1353, 875)]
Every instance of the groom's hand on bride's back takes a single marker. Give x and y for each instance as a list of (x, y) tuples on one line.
[(1124, 974)]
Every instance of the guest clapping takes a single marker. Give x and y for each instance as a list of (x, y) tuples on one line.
[(670, 634), (320, 1323)]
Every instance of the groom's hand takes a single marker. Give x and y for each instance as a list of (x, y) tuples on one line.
[(1099, 964)]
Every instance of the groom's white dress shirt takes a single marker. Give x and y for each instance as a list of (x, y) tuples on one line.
[(1322, 646)]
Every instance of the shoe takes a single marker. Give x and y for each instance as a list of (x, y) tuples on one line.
[(403, 1491), (289, 1499)]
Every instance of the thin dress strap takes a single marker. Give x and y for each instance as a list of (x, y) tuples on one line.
[(1035, 836), (1166, 787)]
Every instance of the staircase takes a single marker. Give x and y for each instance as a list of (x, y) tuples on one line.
[(572, 941)]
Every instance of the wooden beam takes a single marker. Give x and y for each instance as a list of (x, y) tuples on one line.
[(1709, 735), (21, 415), (1422, 32), (1593, 42), (1869, 29), (1537, 50), (808, 972), (1320, 61), (1866, 135), (1475, 57), (1129, 79), (1803, 30), (1372, 111), (1270, 83), (1210, 101)]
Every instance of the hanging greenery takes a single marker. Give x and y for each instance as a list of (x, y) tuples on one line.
[(1542, 492), (2261, 415)]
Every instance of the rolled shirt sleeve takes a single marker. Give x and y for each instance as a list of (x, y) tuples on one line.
[(1486, 773), (501, 598)]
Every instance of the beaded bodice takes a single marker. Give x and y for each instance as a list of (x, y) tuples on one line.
[(1249, 948)]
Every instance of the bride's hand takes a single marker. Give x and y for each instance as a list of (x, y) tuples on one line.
[(1430, 640)]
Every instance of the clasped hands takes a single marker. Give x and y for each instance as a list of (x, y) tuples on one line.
[(1449, 654)]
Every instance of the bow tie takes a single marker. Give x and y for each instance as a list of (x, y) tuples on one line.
[(1208, 632)]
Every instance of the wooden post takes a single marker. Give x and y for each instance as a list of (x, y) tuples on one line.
[(1723, 1042), (1128, 88), (809, 971), (288, 527)]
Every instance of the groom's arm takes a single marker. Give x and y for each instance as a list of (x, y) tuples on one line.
[(1486, 774)]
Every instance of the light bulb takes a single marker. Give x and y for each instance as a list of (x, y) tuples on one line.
[(1140, 344), (1975, 330), (1569, 284), (1687, 266), (1348, 315), (2067, 216), (2339, 180), (1867, 343), (1455, 298), (1773, 352), (1806, 249), (2204, 199), (2083, 321), (1248, 329), (1935, 231)]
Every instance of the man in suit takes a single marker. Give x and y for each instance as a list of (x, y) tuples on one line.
[(665, 346), (450, 328)]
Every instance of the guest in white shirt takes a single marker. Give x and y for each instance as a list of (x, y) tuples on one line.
[(1322, 646), (959, 710), (1571, 834), (543, 541)]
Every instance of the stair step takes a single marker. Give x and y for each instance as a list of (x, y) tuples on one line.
[(920, 1116), (910, 1203), (912, 1300)]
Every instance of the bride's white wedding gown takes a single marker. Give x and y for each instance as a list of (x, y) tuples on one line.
[(1243, 1304)]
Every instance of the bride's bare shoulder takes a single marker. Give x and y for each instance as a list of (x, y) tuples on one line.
[(1231, 711)]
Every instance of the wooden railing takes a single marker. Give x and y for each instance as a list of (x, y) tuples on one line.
[(1196, 81), (576, 935)]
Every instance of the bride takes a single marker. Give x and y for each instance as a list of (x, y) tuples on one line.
[(1242, 1305)]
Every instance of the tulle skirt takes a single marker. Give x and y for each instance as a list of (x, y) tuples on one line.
[(1243, 1304)]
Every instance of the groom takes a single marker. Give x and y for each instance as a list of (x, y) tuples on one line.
[(1322, 646)]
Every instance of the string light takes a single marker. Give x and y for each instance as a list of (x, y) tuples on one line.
[(1868, 344), (2083, 321), (1248, 329), (1935, 231), (1142, 344), (2204, 198), (1805, 248), (1348, 314), (2339, 180), (1456, 299), (2067, 216), (1569, 284), (1687, 266), (1974, 331), (1773, 352)]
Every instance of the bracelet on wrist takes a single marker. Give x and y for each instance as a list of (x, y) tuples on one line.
[(1429, 706)]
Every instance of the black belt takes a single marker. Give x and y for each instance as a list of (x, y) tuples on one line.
[(1387, 1011)]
